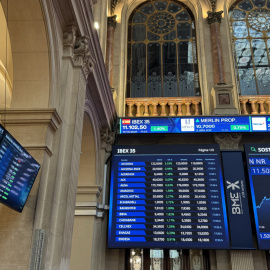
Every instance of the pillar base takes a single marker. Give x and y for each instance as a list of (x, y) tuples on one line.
[(223, 100)]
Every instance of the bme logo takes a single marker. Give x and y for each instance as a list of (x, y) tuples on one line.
[(235, 197), (233, 186)]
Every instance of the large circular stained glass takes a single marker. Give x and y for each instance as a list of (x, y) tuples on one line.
[(161, 23), (259, 19)]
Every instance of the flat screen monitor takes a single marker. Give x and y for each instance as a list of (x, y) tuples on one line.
[(258, 162), (18, 171), (167, 196)]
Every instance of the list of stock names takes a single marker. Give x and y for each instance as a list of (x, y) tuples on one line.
[(173, 200)]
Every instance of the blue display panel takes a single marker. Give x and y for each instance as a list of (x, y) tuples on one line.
[(237, 200), (200, 124), (258, 162), (18, 171), (167, 196)]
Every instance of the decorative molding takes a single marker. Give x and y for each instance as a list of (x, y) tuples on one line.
[(214, 17), (113, 6), (91, 190), (30, 117), (39, 148), (228, 140), (112, 21)]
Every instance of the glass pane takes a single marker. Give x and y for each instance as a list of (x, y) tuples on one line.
[(170, 36), (139, 18), (138, 70), (176, 260), (154, 70), (261, 64), (161, 23), (245, 67), (182, 16), (238, 14), (161, 5), (185, 68), (152, 37), (268, 4), (240, 29), (255, 33), (156, 259), (173, 8), (259, 3), (183, 30), (138, 32), (169, 70), (147, 9), (246, 5), (259, 19)]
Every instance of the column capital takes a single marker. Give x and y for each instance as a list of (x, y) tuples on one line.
[(69, 37), (228, 140), (107, 138), (112, 21), (83, 56), (214, 17)]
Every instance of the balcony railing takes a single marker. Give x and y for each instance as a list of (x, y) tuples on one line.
[(255, 104), (163, 106)]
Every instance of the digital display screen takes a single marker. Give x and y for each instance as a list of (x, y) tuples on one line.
[(258, 162), (167, 196), (18, 171), (200, 124)]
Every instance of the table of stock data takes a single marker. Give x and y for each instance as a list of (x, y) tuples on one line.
[(167, 197)]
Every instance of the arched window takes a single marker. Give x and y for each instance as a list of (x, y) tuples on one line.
[(250, 20), (162, 51)]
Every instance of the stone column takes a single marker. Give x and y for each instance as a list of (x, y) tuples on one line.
[(56, 203), (100, 251), (110, 45), (214, 19)]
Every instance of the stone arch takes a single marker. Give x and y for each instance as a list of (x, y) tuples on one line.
[(88, 159), (29, 53), (6, 65)]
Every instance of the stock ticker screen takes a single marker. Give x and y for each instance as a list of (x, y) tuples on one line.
[(198, 124), (258, 162), (18, 171), (167, 196)]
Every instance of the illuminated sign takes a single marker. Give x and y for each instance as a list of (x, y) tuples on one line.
[(199, 124), (167, 196), (258, 161), (18, 171)]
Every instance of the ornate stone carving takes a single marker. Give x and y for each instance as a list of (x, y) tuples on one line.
[(228, 140), (196, 263), (213, 5), (113, 5), (82, 55), (112, 21), (107, 138), (214, 17), (69, 37)]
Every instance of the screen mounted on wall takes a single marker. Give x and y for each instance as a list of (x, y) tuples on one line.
[(258, 162), (167, 196), (18, 171)]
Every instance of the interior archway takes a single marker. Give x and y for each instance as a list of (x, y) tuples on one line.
[(28, 57)]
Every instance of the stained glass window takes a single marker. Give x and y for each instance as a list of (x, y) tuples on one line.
[(162, 51), (250, 20)]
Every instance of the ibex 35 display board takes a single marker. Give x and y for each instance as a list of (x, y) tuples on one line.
[(167, 196)]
